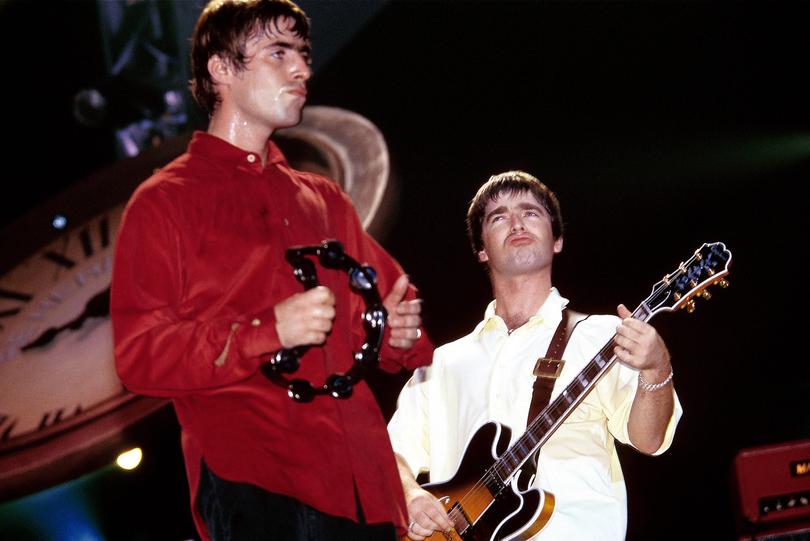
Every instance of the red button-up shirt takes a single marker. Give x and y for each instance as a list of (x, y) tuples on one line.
[(199, 266)]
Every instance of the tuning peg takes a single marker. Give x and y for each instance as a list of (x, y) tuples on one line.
[(690, 306), (706, 294), (723, 283)]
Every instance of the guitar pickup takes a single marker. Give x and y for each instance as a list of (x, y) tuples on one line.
[(548, 368)]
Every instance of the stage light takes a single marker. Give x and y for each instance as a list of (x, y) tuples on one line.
[(59, 221), (129, 460), (90, 108)]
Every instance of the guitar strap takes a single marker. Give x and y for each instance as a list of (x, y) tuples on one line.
[(546, 372), (548, 368)]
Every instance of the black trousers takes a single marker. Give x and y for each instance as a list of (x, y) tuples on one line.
[(244, 512)]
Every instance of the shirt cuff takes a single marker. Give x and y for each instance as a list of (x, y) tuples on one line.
[(256, 335), (392, 359)]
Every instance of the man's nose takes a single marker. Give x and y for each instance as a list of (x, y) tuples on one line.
[(301, 70)]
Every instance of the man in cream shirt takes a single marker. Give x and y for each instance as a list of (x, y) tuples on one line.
[(515, 227)]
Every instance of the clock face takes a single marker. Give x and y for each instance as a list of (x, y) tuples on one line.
[(56, 359)]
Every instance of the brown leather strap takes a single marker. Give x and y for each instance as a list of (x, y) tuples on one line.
[(551, 365)]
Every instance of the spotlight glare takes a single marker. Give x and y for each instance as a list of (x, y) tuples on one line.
[(59, 221), (129, 460)]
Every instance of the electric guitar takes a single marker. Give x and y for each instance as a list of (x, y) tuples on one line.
[(491, 501)]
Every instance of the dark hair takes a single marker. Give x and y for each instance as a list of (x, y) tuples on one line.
[(511, 182), (224, 28)]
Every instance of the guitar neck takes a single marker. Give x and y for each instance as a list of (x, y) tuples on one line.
[(547, 421)]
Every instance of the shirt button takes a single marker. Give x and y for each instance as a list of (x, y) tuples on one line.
[(251, 158), (256, 322)]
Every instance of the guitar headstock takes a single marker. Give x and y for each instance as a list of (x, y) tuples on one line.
[(709, 265)]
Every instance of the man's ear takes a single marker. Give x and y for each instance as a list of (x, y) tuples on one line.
[(482, 256), (558, 245), (219, 69)]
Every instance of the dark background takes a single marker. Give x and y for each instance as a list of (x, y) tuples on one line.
[(661, 126)]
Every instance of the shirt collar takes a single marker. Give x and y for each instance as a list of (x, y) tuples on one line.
[(549, 314), (211, 146)]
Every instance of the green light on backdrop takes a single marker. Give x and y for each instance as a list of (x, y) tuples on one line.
[(769, 151), (60, 513)]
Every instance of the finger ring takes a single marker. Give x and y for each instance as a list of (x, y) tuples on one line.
[(410, 526), (418, 333)]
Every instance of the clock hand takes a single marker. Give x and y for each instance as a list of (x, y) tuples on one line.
[(97, 306), (43, 338)]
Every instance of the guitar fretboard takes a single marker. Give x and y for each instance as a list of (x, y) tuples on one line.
[(542, 426)]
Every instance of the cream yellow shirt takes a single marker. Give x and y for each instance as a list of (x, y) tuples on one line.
[(487, 376)]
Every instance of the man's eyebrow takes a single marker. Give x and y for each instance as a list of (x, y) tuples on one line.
[(497, 210), (526, 206), (305, 48)]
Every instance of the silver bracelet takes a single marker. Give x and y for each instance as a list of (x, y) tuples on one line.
[(649, 387)]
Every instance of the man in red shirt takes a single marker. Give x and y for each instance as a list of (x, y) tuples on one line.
[(202, 294)]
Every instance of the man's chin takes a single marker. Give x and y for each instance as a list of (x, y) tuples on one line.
[(289, 122)]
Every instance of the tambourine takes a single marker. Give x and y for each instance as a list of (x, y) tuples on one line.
[(362, 280)]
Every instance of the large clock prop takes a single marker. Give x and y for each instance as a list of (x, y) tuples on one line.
[(63, 411)]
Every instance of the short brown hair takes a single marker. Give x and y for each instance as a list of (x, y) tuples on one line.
[(224, 28), (512, 182)]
